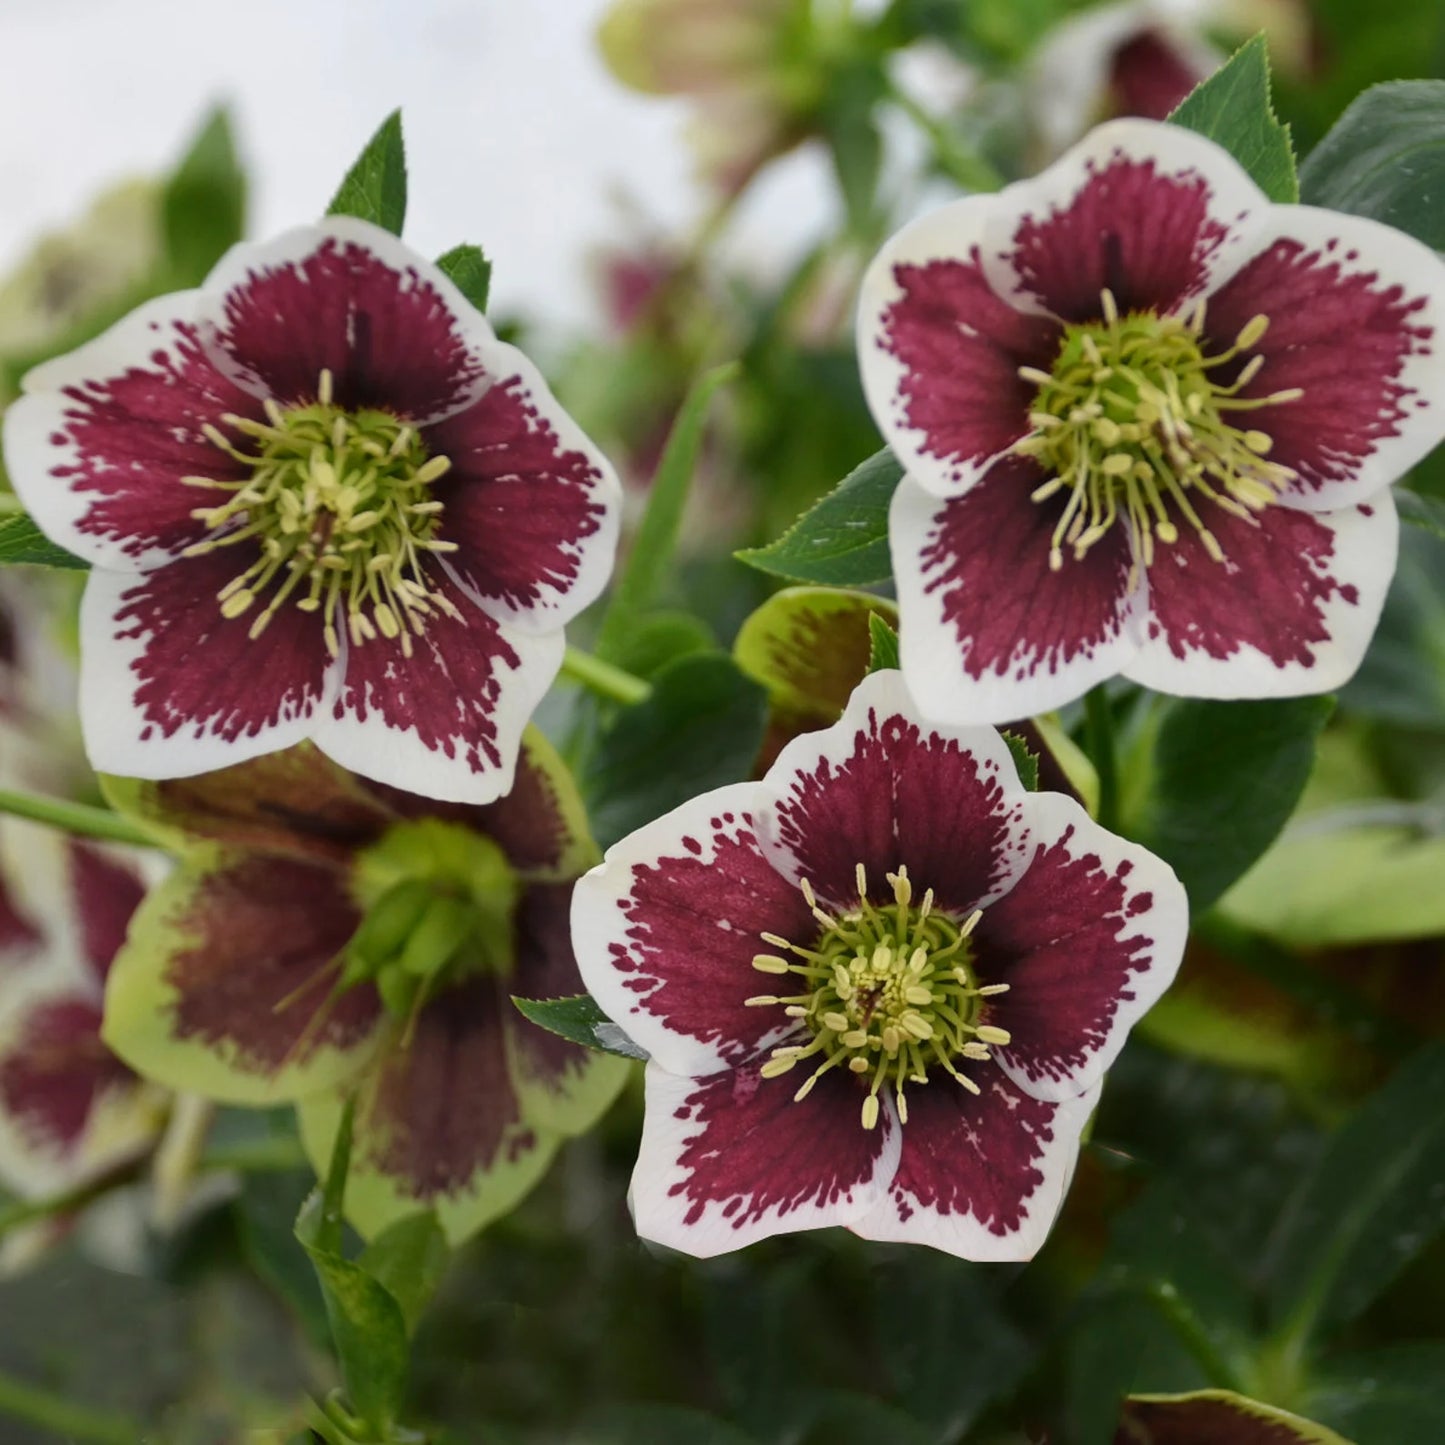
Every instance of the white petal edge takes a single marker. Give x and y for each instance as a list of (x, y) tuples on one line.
[(660, 1216), (947, 234), (1235, 202), (385, 753), (32, 458), (600, 926), (1165, 923), (1398, 260), (596, 553), (1366, 548), (883, 695), (964, 1235), (114, 726), (929, 651)]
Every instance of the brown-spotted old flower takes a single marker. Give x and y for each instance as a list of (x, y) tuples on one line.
[(879, 988), (323, 937), (1149, 421), (321, 500)]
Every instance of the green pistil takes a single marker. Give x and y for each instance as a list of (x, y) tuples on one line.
[(340, 505), (1132, 424), (439, 904), (890, 994)]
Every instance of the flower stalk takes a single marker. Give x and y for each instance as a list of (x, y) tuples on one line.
[(79, 819)]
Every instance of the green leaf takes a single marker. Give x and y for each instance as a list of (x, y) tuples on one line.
[(1421, 511), (660, 638), (1385, 159), (368, 1327), (375, 187), (203, 207), (1368, 1206), (579, 1020), (1233, 109), (1026, 760), (1385, 1396), (469, 271), (21, 541), (1225, 777), (641, 580), (701, 727), (883, 644), (408, 1260), (266, 1210), (854, 139), (843, 540)]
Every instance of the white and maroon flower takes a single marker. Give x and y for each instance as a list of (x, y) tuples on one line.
[(323, 936), (957, 963), (321, 500), (1149, 421), (70, 1110)]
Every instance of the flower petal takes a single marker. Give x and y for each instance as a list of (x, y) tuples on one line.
[(1357, 321), (1151, 212), (989, 632), (70, 1111), (939, 351), (1216, 1417), (733, 1158), (98, 444), (438, 1124), (346, 297), (561, 1086), (980, 1177), (223, 987), (106, 890), (532, 505), (667, 926), (447, 721), (296, 802), (169, 688), (540, 823), (882, 789), (1291, 609), (1086, 940)]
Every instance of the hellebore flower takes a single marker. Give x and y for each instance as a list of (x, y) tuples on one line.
[(324, 936), (321, 500), (70, 1110), (957, 961), (1149, 421), (1142, 57)]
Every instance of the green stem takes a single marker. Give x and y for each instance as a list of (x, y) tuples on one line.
[(79, 818), (1103, 753), (600, 677), (961, 163), (64, 1418), (1194, 1336)]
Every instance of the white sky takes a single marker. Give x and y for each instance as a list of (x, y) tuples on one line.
[(518, 138)]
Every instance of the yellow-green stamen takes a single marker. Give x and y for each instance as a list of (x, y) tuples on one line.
[(1131, 423), (339, 504), (890, 994)]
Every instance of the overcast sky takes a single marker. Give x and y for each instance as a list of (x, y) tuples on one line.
[(519, 140)]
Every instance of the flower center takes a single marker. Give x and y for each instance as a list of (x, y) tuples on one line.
[(339, 503), (439, 902), (1132, 423), (890, 993)]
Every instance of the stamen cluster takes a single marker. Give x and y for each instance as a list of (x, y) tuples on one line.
[(340, 505), (1132, 422), (891, 993)]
